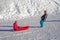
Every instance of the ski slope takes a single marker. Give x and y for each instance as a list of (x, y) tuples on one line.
[(28, 12), (51, 31)]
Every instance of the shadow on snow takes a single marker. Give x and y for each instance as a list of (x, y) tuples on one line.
[(53, 21)]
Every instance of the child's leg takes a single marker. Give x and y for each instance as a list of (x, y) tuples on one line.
[(42, 23)]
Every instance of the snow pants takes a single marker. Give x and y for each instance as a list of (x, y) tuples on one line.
[(42, 23)]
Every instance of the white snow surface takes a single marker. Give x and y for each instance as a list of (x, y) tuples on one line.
[(26, 10), (29, 12)]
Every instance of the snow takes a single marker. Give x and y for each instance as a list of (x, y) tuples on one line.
[(29, 12)]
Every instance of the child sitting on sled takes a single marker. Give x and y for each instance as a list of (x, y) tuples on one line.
[(16, 27)]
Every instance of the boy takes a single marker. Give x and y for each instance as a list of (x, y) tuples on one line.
[(43, 18)]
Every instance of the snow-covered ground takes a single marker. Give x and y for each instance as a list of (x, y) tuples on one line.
[(51, 31), (28, 12)]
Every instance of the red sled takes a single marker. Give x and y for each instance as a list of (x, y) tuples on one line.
[(21, 28)]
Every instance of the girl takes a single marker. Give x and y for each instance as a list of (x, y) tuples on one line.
[(18, 28)]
